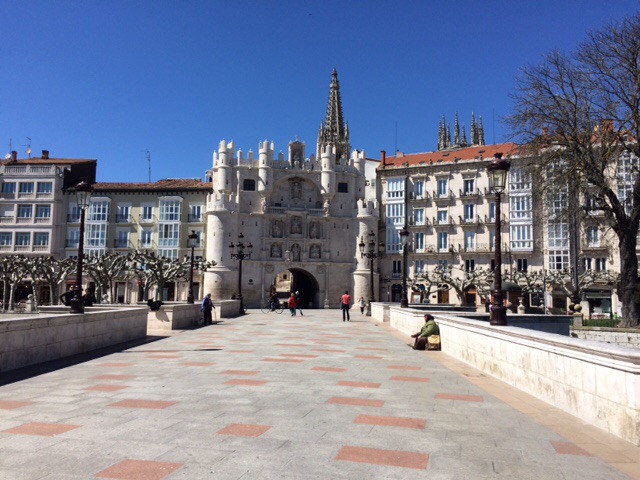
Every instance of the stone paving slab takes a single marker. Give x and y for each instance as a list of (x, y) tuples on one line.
[(269, 396)]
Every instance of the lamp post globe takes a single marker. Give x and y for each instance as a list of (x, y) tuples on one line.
[(497, 171)]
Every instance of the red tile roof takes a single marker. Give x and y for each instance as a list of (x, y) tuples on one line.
[(446, 156), (47, 161), (188, 184)]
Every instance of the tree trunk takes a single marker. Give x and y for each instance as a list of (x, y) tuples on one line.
[(159, 290), (628, 287), (12, 288)]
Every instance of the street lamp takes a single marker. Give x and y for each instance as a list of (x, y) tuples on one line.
[(371, 254), (83, 198), (497, 171), (192, 241), (404, 239), (237, 252)]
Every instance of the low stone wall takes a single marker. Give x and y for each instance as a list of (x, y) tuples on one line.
[(226, 308), (49, 336), (173, 316), (615, 336), (594, 381)]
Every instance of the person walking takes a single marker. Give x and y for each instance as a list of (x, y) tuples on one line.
[(298, 303), (89, 298), (66, 297), (292, 304), (362, 303), (207, 307), (345, 302)]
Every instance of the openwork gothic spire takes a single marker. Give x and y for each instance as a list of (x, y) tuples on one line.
[(334, 131)]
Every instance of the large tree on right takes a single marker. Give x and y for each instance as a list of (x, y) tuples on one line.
[(578, 113)]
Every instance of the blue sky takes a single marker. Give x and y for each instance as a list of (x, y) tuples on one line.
[(110, 79)]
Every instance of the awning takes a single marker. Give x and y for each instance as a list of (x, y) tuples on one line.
[(606, 295)]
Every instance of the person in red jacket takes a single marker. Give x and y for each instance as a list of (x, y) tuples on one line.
[(345, 304), (292, 304)]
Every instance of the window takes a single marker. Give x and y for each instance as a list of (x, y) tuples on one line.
[(469, 212), (73, 238), (195, 213), (469, 186), (470, 241), (593, 236), (519, 179), (492, 211), (443, 187), (146, 238), (43, 211), (26, 188), (249, 185), (520, 237), (523, 264), (41, 239), (443, 241), (418, 216), (343, 187), (492, 240), (395, 188), (586, 264), (443, 217), (98, 211), (558, 259), (124, 212), (122, 239), (74, 213), (170, 210), (45, 187), (171, 253), (169, 235), (25, 211), (147, 213), (469, 265), (5, 238), (9, 187), (96, 235), (443, 264), (397, 268), (418, 267), (419, 242), (418, 189), (23, 238), (601, 264)]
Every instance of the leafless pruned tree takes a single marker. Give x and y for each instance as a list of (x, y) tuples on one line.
[(578, 114)]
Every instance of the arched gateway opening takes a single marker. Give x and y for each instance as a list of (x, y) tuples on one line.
[(298, 280)]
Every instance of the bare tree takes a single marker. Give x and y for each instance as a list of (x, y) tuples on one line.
[(459, 279), (105, 269), (53, 272), (579, 114), (13, 270)]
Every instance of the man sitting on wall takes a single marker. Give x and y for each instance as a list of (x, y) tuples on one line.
[(429, 328)]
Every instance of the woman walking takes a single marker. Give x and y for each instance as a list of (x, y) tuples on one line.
[(362, 303)]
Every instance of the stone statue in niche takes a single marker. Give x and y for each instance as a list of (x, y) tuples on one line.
[(314, 230), (314, 251), (296, 225), (296, 190), (327, 208), (295, 252), (276, 250), (297, 160), (276, 229)]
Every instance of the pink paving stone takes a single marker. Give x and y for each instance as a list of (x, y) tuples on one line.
[(567, 448), (347, 383), (198, 364), (328, 350), (163, 356), (283, 360), (241, 381), (116, 365), (107, 388), (139, 470), (329, 369), (358, 402), (42, 429), (417, 423), (290, 345), (244, 430), (150, 404), (403, 367), (368, 357), (241, 351), (12, 405), (463, 398), (391, 458), (298, 355), (114, 377), (410, 379), (372, 349), (240, 372)]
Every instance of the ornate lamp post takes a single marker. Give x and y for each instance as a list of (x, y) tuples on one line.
[(237, 252), (192, 241), (498, 170), (404, 239), (83, 198), (371, 254)]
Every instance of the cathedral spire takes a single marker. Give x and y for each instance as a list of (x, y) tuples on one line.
[(456, 132), (463, 141), (480, 132), (334, 131), (474, 130)]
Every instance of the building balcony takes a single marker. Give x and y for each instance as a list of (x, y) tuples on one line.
[(419, 223), (23, 220), (73, 218), (521, 245), (22, 248), (442, 197), (196, 219), (396, 275), (470, 222), (71, 243), (41, 248), (41, 195), (146, 220), (146, 245), (6, 219), (122, 243), (443, 223), (474, 193), (413, 196), (42, 220), (8, 196), (124, 219), (26, 195)]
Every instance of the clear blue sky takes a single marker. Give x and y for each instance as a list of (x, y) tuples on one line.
[(110, 79)]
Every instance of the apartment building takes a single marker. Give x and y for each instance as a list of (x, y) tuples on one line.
[(123, 217)]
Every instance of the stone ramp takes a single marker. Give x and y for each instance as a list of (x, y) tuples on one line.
[(274, 396)]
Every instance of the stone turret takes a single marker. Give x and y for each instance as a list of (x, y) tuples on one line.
[(223, 162), (265, 168)]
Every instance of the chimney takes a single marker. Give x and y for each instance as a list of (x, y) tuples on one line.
[(383, 158), (45, 154), (14, 156)]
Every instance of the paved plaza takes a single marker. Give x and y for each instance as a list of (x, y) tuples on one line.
[(280, 397)]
